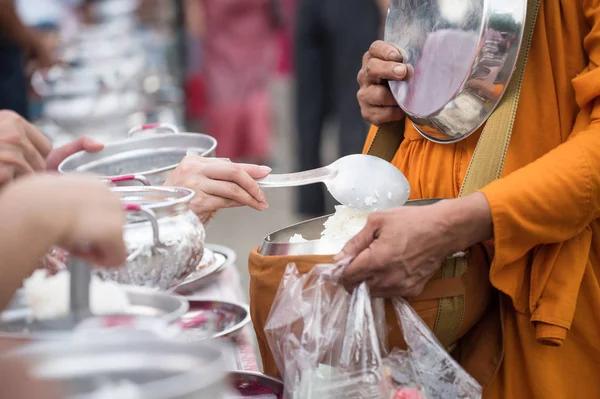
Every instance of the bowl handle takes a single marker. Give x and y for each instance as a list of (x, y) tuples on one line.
[(151, 216), (169, 128), (138, 178)]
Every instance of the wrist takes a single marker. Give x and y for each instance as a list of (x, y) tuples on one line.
[(27, 199), (469, 220)]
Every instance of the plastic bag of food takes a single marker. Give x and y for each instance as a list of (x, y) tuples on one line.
[(426, 365), (329, 343)]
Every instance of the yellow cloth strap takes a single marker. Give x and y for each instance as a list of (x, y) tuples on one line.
[(485, 167)]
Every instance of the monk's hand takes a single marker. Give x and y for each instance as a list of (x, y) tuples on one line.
[(383, 62), (219, 184), (399, 250)]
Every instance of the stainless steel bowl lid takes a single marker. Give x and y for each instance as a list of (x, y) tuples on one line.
[(453, 48), (141, 155), (278, 242)]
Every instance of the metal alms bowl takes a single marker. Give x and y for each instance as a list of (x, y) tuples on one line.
[(278, 243), (460, 55), (164, 238), (154, 156)]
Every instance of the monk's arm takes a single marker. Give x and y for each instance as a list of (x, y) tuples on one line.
[(554, 198)]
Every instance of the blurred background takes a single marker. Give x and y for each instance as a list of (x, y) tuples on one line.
[(274, 81)]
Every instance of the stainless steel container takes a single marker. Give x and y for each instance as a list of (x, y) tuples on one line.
[(165, 239), (461, 55), (16, 323), (278, 242), (129, 365), (154, 156), (88, 97)]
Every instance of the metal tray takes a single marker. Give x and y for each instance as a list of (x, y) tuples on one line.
[(15, 321), (208, 319), (205, 273), (251, 384), (462, 55), (277, 243)]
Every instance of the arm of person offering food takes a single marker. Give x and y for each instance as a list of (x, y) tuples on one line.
[(79, 214)]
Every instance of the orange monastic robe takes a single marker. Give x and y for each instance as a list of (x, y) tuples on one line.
[(546, 210)]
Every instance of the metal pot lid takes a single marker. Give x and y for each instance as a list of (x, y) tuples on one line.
[(460, 56), (139, 156)]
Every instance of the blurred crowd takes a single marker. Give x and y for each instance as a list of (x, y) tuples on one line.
[(232, 52)]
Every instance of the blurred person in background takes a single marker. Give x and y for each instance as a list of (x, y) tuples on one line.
[(330, 40), (240, 57), (18, 43)]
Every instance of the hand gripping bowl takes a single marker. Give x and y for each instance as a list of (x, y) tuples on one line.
[(153, 156)]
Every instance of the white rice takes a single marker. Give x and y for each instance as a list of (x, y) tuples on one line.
[(48, 296), (344, 223)]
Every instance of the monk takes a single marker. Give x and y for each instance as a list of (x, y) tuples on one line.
[(541, 218)]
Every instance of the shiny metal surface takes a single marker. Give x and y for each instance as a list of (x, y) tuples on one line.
[(16, 323), (129, 367), (252, 384), (207, 319), (180, 232), (277, 243), (358, 181), (223, 257), (461, 54), (154, 157)]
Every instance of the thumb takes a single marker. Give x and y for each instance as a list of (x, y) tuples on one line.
[(255, 171), (89, 144), (61, 153), (359, 242)]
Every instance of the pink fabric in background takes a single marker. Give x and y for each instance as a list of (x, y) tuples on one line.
[(286, 42), (240, 58)]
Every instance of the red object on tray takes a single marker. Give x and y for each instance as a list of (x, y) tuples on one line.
[(408, 393)]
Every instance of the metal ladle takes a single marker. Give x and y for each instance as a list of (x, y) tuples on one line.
[(359, 181), (79, 302)]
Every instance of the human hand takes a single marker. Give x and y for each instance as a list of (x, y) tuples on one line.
[(381, 63), (219, 184), (23, 148), (400, 250), (81, 213), (83, 143)]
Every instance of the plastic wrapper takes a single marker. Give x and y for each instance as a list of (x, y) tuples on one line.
[(330, 344)]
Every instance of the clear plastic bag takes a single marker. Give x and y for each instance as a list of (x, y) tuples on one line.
[(329, 343)]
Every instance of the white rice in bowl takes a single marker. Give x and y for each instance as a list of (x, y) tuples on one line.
[(48, 296), (344, 223)]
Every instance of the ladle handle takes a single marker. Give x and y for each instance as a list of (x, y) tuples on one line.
[(297, 179), (81, 277)]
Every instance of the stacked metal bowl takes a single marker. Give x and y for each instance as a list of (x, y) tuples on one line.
[(111, 77)]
